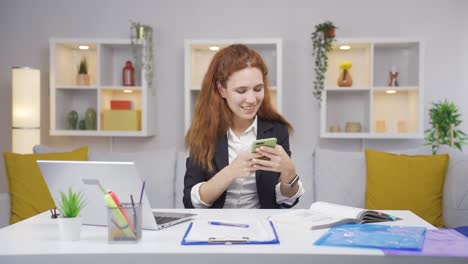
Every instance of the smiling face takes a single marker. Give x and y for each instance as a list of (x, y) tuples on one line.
[(244, 94)]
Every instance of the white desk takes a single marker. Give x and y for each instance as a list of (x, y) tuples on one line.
[(36, 240)]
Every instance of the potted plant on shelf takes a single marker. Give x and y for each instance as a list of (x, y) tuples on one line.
[(82, 78), (322, 39), (70, 205), (142, 34), (444, 119)]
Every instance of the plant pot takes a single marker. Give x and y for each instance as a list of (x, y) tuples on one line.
[(70, 228), (82, 79), (329, 33), (345, 80)]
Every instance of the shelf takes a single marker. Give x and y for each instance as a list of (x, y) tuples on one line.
[(347, 89), (87, 133), (359, 55), (382, 110), (395, 113), (78, 100), (106, 59), (403, 56), (67, 58), (349, 107), (113, 58), (372, 135)]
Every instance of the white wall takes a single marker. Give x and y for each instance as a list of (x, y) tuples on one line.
[(26, 26)]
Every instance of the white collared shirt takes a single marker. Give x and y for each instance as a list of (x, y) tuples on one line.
[(242, 193)]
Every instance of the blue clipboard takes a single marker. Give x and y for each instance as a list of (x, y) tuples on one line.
[(229, 242)]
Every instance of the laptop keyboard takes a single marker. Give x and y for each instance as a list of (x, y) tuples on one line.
[(164, 219)]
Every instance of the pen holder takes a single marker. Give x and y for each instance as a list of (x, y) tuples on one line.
[(124, 223)]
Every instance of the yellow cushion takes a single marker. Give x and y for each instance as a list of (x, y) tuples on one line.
[(399, 182), (29, 194)]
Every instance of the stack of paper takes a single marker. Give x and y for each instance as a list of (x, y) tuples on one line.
[(258, 231)]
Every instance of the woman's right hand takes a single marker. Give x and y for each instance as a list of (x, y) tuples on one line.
[(242, 165)]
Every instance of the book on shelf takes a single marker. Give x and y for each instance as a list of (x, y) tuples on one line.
[(121, 105), (324, 215)]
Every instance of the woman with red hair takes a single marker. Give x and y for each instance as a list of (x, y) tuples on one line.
[(232, 110)]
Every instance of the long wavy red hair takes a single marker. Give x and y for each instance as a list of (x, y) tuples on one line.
[(213, 117)]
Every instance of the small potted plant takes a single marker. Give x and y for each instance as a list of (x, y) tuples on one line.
[(444, 119), (322, 39), (70, 205), (82, 78)]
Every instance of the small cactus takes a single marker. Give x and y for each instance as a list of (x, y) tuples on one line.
[(83, 67)]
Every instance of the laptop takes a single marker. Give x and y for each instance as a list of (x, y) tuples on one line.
[(120, 177)]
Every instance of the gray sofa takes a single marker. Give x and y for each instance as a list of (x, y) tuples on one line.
[(327, 175)]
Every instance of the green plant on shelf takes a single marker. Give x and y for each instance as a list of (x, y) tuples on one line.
[(83, 66), (444, 120), (143, 34), (70, 204), (322, 39)]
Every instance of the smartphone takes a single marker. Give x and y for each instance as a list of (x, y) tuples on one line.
[(267, 142)]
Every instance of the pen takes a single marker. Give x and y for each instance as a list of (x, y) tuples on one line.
[(141, 192), (228, 224)]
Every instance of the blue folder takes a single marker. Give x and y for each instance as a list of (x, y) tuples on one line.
[(229, 242), (374, 236)]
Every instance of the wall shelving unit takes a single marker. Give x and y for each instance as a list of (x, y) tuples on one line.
[(381, 110), (105, 59)]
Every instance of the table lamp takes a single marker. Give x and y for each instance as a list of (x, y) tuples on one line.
[(26, 109)]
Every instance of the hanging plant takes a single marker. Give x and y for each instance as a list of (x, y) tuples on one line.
[(322, 39), (444, 119), (143, 34)]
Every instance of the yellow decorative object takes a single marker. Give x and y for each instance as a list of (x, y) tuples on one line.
[(344, 79), (28, 191), (346, 65), (400, 182), (121, 120)]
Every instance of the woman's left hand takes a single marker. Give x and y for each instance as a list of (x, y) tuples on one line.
[(279, 161)]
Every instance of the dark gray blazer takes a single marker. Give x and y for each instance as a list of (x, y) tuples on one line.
[(266, 180)]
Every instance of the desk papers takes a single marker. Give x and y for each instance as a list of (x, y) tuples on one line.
[(202, 232), (438, 243)]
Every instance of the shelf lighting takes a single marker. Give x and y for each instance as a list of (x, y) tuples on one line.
[(83, 47), (127, 91), (26, 109), (214, 48), (390, 91), (345, 47)]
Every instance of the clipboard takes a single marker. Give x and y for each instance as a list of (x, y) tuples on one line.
[(237, 241)]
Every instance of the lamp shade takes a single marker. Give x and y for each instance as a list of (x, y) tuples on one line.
[(26, 109)]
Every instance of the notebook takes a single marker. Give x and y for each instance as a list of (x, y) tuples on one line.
[(120, 177), (325, 215)]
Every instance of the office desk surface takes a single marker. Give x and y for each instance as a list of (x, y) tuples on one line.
[(38, 240)]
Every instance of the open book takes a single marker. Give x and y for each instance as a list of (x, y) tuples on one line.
[(324, 215)]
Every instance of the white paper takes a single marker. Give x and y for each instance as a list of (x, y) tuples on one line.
[(258, 230)]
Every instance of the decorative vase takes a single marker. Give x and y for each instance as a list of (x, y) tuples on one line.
[(90, 119), (345, 80), (81, 124), (72, 120), (393, 79), (353, 127), (82, 79), (70, 228)]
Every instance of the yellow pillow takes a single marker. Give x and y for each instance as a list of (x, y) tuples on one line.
[(29, 194), (400, 182)]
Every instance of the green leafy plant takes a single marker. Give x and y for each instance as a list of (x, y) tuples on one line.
[(83, 67), (71, 204), (322, 39), (141, 34), (444, 119)]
